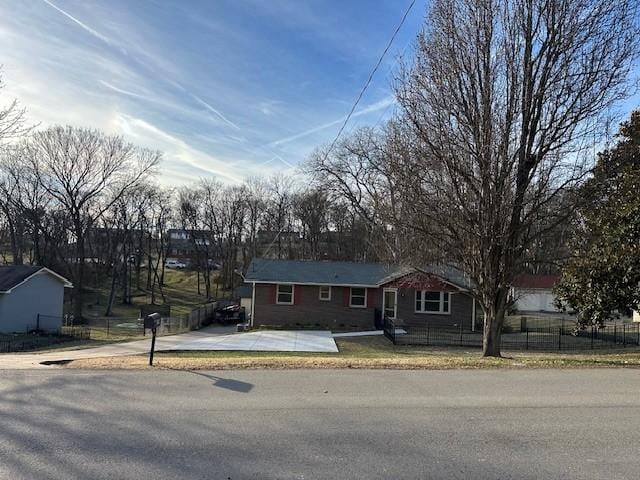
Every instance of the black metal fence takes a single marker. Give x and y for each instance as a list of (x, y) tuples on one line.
[(25, 342), (119, 328), (563, 336), (47, 330)]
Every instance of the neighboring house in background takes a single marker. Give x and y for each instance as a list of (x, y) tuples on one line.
[(186, 244), (328, 294), (30, 296), (534, 293)]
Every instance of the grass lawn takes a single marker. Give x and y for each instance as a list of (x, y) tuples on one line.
[(365, 352), (181, 292)]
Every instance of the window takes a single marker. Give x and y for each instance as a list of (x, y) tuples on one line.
[(284, 295), (358, 298), (325, 293), (432, 302)]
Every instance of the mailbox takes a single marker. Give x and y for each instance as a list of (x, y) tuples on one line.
[(152, 321)]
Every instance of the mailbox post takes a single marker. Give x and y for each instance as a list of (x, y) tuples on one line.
[(152, 321)]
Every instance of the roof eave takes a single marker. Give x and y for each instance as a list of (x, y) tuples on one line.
[(332, 284), (420, 270)]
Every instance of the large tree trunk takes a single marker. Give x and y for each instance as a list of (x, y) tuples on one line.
[(493, 322), (112, 293), (126, 299), (491, 341), (16, 247), (79, 276), (491, 336)]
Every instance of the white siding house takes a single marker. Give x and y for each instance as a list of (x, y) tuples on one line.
[(30, 297), (534, 293)]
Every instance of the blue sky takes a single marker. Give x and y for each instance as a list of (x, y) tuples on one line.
[(226, 88)]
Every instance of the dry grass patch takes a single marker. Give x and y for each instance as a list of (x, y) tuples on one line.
[(362, 352)]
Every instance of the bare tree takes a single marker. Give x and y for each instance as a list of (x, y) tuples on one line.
[(121, 235), (11, 182), (311, 209), (86, 172), (12, 118), (224, 215), (191, 217), (502, 103), (255, 202), (278, 213), (359, 170), (158, 217), (12, 127)]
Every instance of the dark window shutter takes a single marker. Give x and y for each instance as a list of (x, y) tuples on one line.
[(346, 293), (297, 294), (371, 297), (274, 293)]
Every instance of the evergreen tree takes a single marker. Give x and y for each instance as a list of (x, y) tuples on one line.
[(602, 277)]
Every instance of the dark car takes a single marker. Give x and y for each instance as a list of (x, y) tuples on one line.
[(227, 312)]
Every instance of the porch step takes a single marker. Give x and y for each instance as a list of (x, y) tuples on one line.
[(368, 333)]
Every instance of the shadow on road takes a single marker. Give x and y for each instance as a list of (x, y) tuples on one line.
[(226, 383)]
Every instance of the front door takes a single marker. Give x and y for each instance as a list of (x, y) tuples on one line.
[(390, 303)]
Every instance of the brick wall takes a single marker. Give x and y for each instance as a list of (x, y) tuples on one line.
[(310, 311), (461, 308)]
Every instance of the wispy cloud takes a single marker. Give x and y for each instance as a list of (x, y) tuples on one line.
[(177, 149), (382, 104), (99, 65), (81, 24), (126, 92), (215, 111)]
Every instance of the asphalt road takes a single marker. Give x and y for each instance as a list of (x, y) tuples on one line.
[(348, 424)]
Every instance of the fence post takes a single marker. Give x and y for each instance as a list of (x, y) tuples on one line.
[(38, 322), (624, 334), (427, 333), (107, 328), (615, 334), (560, 338), (526, 329), (591, 337), (460, 333)]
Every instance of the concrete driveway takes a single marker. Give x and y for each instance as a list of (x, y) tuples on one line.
[(210, 338), (264, 341)]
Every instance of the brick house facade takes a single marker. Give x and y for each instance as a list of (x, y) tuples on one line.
[(354, 296)]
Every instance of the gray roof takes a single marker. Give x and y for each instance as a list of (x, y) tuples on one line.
[(449, 273), (340, 273), (12, 275)]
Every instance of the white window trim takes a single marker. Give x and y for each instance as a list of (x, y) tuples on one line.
[(293, 293), (366, 293), (429, 312), (384, 306), (320, 293)]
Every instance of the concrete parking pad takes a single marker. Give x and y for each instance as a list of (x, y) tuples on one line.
[(265, 341)]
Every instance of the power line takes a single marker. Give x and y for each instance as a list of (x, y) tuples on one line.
[(355, 105), (373, 72)]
